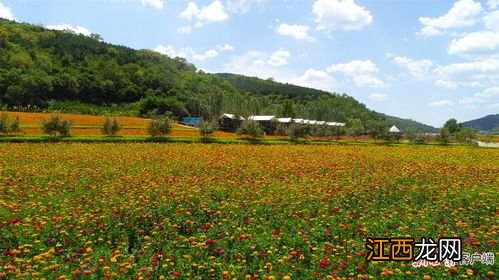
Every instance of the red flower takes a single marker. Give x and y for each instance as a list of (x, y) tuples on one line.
[(324, 262)]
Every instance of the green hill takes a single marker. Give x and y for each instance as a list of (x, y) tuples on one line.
[(63, 71), (487, 123), (409, 125)]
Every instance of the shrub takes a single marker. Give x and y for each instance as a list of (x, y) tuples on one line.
[(443, 136), (296, 131), (250, 128), (111, 126), (466, 135), (281, 129), (421, 138), (160, 126), (8, 126), (57, 125), (207, 128)]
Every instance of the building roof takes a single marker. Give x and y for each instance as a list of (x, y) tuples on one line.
[(335, 124), (394, 129), (284, 120), (261, 118), (232, 116)]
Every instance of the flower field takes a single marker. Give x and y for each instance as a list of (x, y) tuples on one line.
[(89, 125), (212, 211)]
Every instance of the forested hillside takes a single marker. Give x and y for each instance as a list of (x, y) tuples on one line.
[(487, 123), (68, 72), (408, 125)]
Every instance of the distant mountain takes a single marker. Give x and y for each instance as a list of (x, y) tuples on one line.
[(487, 123), (406, 125)]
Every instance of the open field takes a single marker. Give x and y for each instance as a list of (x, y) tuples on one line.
[(208, 211)]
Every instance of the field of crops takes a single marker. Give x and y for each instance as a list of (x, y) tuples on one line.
[(212, 211)]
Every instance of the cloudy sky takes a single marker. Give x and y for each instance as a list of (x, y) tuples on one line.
[(427, 60)]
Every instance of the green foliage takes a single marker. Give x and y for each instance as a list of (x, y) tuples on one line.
[(297, 130), (443, 136), (408, 124), (153, 105), (377, 129), (8, 126), (281, 129), (337, 132), (355, 128), (160, 126), (207, 128), (57, 125), (111, 126), (452, 126), (251, 128), (487, 123), (420, 138), (466, 135)]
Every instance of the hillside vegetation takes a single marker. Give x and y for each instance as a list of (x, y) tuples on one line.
[(487, 123), (66, 72)]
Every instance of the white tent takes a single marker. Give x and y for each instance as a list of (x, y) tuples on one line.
[(261, 118), (231, 116), (284, 120), (394, 129)]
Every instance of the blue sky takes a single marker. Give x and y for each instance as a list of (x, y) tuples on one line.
[(426, 60)]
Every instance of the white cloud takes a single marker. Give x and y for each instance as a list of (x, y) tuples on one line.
[(340, 15), (279, 58), (377, 96), (481, 97), (313, 78), (259, 62), (296, 31), (172, 52), (441, 103), (488, 93), (491, 20), (75, 29), (417, 68), (462, 14), (429, 31), (206, 55), (214, 12), (446, 84), (225, 47), (192, 11), (158, 4), (481, 42), (361, 72), (470, 100), (255, 64), (187, 52), (184, 29), (487, 66), (242, 6), (493, 4), (6, 13)]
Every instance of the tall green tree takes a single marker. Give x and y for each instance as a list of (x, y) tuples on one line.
[(452, 126), (355, 128)]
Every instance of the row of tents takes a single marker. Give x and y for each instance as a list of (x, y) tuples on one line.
[(230, 122)]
